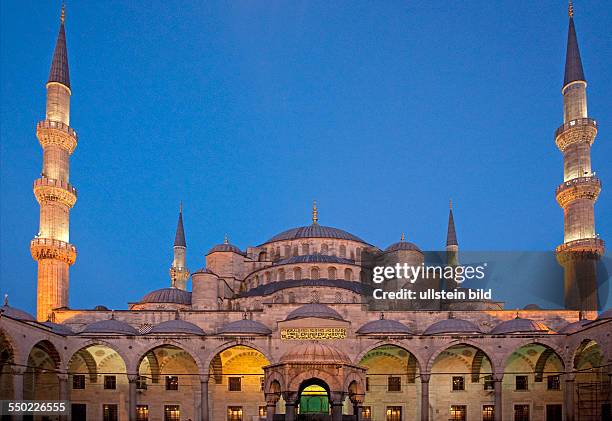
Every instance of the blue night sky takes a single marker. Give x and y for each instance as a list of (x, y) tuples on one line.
[(247, 111)]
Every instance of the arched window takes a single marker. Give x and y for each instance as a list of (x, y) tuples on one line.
[(305, 249), (295, 250), (331, 273), (287, 251), (278, 252), (256, 281), (338, 297), (291, 297), (358, 253), (268, 277), (314, 273), (324, 248), (281, 274), (263, 256), (348, 274), (297, 274), (342, 251)]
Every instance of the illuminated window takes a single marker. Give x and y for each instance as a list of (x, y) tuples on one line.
[(458, 412), (489, 384), (394, 413), (142, 413), (488, 413), (522, 383), (172, 382), (172, 413), (521, 412), (458, 383), (366, 412), (235, 384), (78, 381), (394, 384), (110, 382), (554, 383), (141, 383), (234, 413), (263, 411), (110, 413)]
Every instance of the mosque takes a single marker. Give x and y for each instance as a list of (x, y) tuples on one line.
[(279, 331)]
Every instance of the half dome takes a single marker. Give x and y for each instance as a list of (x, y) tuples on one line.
[(315, 352), (60, 329), (317, 310), (168, 295), (450, 326), (177, 326), (384, 326), (245, 327), (520, 325), (314, 231), (110, 326), (15, 313)]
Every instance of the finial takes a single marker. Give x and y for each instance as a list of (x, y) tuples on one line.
[(6, 299), (245, 315), (177, 315), (450, 204), (225, 239), (517, 315), (63, 15), (451, 315), (112, 315), (181, 207), (382, 316), (315, 213), (570, 9), (403, 238)]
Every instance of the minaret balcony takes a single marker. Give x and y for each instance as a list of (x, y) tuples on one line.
[(581, 130), (590, 246), (578, 188), (51, 132), (49, 248), (50, 190)]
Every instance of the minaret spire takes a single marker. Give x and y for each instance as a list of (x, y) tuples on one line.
[(451, 233), (178, 271), (573, 63), (59, 71)]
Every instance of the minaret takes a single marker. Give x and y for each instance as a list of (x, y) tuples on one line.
[(577, 194), (452, 246), (51, 247), (178, 271)]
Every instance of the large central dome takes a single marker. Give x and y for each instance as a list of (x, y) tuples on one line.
[(314, 231)]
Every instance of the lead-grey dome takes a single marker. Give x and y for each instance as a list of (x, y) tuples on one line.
[(177, 326), (314, 310), (16, 313), (520, 325), (168, 295), (245, 327), (607, 314), (384, 326), (402, 245), (574, 327), (59, 328), (225, 247), (314, 231), (314, 258), (449, 326), (111, 326)]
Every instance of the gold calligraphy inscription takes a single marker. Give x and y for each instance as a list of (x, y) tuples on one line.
[(313, 333)]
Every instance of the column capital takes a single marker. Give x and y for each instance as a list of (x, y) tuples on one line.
[(498, 377), (18, 370), (204, 378), (132, 378), (425, 377), (63, 377), (570, 377)]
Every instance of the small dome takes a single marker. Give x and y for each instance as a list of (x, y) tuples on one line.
[(225, 247), (315, 352), (314, 231), (245, 327), (449, 326), (314, 258), (574, 327), (607, 314), (111, 326), (15, 313), (177, 326), (384, 326), (59, 328), (402, 245), (168, 295), (101, 308), (203, 270), (520, 325), (532, 307), (314, 310)]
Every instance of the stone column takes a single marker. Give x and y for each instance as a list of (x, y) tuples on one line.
[(271, 400), (18, 373), (64, 391), (498, 402), (204, 398), (425, 396), (336, 402), (132, 379), (569, 396), (289, 410)]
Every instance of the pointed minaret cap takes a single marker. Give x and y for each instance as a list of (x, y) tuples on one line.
[(59, 65), (451, 234), (573, 63), (179, 238)]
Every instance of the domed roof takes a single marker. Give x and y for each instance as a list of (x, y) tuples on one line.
[(607, 314), (204, 270), (111, 326), (574, 327), (168, 295), (177, 326), (520, 325), (245, 327), (59, 328), (314, 310), (449, 326), (15, 313), (314, 258), (101, 308), (402, 245), (532, 307), (318, 352), (225, 247), (384, 326), (314, 231)]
